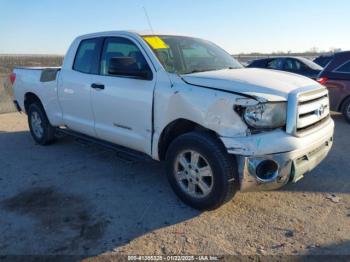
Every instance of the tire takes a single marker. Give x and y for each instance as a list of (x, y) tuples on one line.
[(209, 154), (41, 130), (346, 109)]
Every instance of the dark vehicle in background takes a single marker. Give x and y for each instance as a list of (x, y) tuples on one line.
[(323, 60), (297, 65), (336, 76)]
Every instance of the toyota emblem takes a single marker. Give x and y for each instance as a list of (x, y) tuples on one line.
[(321, 110)]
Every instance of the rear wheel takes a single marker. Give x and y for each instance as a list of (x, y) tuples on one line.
[(346, 109), (42, 131), (200, 171)]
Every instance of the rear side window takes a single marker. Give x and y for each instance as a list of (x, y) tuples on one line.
[(292, 65), (274, 64), (345, 68), (87, 56), (323, 60)]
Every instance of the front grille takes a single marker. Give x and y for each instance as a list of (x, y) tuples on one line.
[(308, 109), (312, 153), (313, 110)]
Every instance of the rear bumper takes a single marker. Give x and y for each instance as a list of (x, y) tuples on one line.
[(290, 166)]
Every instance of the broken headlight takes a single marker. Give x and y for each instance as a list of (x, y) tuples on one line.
[(266, 115)]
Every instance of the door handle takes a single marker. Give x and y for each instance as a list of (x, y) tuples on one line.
[(97, 86)]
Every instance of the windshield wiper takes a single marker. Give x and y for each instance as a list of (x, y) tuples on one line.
[(230, 67), (209, 69), (199, 71)]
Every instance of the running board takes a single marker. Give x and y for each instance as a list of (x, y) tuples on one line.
[(125, 152)]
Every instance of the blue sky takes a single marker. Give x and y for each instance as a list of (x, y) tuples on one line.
[(49, 26)]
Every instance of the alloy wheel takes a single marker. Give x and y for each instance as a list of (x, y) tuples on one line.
[(194, 174)]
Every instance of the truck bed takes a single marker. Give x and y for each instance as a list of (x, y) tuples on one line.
[(47, 74), (40, 81)]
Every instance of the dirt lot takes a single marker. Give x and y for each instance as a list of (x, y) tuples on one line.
[(82, 199)]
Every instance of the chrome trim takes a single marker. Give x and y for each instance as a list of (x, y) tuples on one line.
[(292, 113), (315, 129), (314, 105), (301, 95), (311, 95), (253, 164)]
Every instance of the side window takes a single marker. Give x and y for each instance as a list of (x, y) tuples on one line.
[(87, 56), (274, 64), (130, 57), (345, 68), (293, 65)]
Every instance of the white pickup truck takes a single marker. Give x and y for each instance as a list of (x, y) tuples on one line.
[(219, 127)]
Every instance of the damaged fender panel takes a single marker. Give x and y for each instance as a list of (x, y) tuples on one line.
[(212, 109)]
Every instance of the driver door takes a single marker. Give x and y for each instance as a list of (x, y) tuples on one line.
[(122, 104)]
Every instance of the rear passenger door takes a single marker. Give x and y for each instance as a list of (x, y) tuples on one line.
[(122, 105), (75, 89)]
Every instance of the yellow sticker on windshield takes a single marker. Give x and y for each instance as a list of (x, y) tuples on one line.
[(155, 42)]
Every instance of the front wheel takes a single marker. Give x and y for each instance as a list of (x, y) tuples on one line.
[(200, 171), (40, 128), (346, 110)]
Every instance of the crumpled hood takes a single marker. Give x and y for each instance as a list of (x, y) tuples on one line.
[(268, 84)]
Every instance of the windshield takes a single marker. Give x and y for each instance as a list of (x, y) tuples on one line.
[(185, 55)]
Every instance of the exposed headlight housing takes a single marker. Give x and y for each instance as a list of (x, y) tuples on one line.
[(266, 115)]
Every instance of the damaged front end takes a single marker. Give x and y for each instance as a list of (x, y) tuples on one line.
[(270, 156), (276, 170)]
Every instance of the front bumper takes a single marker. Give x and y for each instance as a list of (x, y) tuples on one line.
[(291, 165)]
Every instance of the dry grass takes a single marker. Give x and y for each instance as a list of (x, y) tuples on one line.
[(8, 63), (6, 104)]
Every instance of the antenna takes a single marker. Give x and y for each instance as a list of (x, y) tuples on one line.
[(148, 20)]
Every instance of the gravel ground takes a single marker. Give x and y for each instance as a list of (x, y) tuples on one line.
[(81, 199)]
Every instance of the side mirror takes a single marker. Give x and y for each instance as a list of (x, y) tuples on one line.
[(127, 66)]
